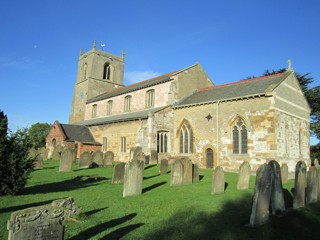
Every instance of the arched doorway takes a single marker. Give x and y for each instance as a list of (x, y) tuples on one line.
[(209, 158)]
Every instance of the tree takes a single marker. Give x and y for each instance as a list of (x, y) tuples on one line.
[(38, 133), (15, 164), (313, 96)]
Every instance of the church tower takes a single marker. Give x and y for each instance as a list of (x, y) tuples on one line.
[(98, 72)]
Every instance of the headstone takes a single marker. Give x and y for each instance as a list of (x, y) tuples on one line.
[(134, 152), (187, 171), (316, 162), (163, 166), (67, 204), (118, 173), (140, 156), (299, 185), (195, 173), (176, 173), (56, 154), (277, 197), (318, 170), (85, 159), (218, 181), (261, 198), (66, 160), (108, 158), (244, 176), (284, 173), (133, 177), (312, 185), (153, 157), (97, 157)]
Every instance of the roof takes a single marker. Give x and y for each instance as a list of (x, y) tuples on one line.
[(139, 85), (121, 117), (242, 89), (77, 133)]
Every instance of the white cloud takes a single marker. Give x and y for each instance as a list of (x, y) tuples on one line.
[(136, 76)]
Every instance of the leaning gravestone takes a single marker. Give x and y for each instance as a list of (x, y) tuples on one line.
[(312, 185), (133, 177), (118, 173), (195, 173), (277, 197), (66, 160), (85, 159), (299, 185), (187, 171), (97, 157), (218, 181), (261, 198), (176, 173), (108, 159), (244, 176), (163, 166), (284, 173)]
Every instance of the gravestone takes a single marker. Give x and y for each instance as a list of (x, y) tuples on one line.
[(97, 157), (299, 185), (176, 173), (66, 160), (261, 198), (187, 171), (133, 177), (277, 197), (118, 173), (56, 154), (316, 162), (195, 173), (218, 181), (153, 157), (134, 152), (85, 159), (108, 159), (312, 185), (244, 176), (318, 170), (163, 166), (140, 156), (284, 173)]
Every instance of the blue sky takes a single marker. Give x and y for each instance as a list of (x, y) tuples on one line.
[(40, 42)]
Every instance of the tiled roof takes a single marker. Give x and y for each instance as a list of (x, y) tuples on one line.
[(77, 133), (236, 90)]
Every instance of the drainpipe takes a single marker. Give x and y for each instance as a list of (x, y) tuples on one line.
[(217, 116)]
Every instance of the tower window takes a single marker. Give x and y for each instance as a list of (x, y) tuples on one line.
[(109, 107), (85, 66), (106, 71), (150, 98), (240, 138), (186, 139), (94, 111), (123, 144), (127, 103)]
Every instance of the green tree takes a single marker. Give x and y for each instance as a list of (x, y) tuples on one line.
[(38, 133), (15, 164)]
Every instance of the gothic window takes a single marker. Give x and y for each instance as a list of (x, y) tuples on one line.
[(54, 142), (127, 103), (186, 138), (106, 71), (150, 98), (105, 144), (109, 107), (123, 144), (94, 111), (240, 137), (162, 140), (85, 71)]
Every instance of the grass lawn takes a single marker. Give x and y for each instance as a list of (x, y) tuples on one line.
[(161, 212)]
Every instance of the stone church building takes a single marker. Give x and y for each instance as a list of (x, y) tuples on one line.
[(183, 113)]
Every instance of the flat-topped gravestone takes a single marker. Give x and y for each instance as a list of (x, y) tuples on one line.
[(284, 173), (118, 173), (153, 157), (261, 198), (312, 185), (176, 173), (108, 159), (218, 181), (163, 166), (300, 185), (97, 157), (244, 176), (187, 171), (85, 160), (66, 160), (195, 173), (133, 177), (277, 197)]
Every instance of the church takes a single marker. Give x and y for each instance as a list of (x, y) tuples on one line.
[(182, 113)]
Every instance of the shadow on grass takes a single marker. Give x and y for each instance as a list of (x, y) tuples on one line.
[(89, 213), (121, 232), (230, 223), (93, 231), (288, 199), (67, 185), (150, 166), (153, 187), (16, 208), (201, 177), (157, 175)]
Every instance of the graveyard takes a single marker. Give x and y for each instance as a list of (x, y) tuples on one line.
[(161, 211)]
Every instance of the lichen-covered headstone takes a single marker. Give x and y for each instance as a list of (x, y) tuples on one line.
[(261, 198), (312, 185), (134, 152), (176, 173), (218, 181), (133, 177), (85, 159), (108, 159), (284, 173), (66, 160), (118, 173), (163, 166), (97, 157), (195, 173), (140, 156), (299, 185), (244, 176), (187, 171), (277, 197)]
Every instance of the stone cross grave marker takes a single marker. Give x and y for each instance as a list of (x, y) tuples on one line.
[(218, 181), (118, 173), (284, 173), (108, 158), (261, 198), (300, 185), (85, 159), (176, 173), (133, 177), (97, 157), (244, 176), (312, 185), (66, 160), (163, 166), (277, 197)]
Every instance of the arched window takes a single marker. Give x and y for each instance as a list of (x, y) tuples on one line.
[(186, 138), (162, 141), (150, 98), (54, 142), (85, 66), (127, 103), (106, 71), (240, 137), (94, 111), (109, 107)]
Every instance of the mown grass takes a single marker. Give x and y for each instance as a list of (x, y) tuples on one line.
[(161, 212)]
